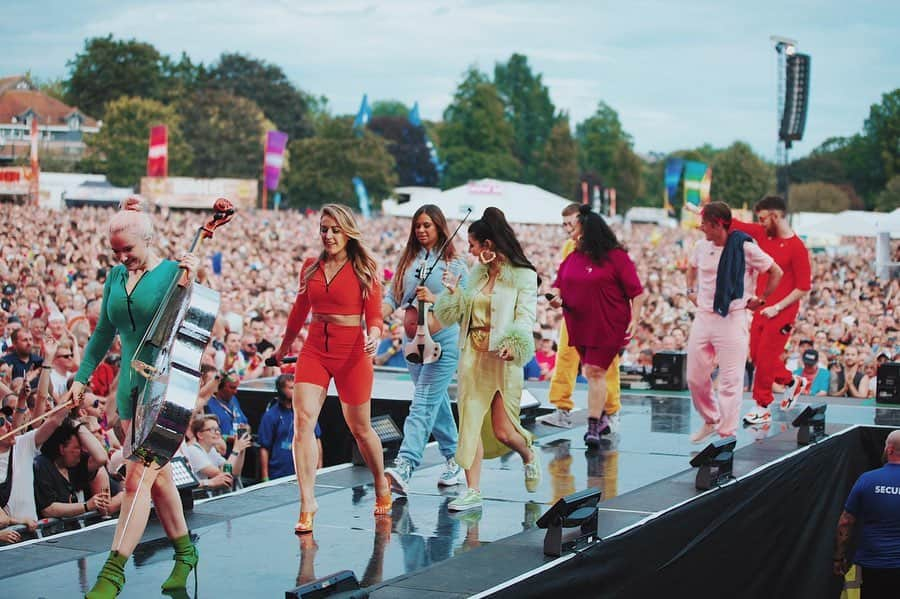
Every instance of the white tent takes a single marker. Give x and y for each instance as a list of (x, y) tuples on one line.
[(850, 223), (520, 203)]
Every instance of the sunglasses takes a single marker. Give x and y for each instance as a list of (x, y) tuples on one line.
[(4, 420)]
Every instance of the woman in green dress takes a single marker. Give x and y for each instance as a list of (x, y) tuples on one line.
[(496, 313), (132, 293)]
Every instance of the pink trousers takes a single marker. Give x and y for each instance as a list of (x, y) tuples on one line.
[(723, 341)]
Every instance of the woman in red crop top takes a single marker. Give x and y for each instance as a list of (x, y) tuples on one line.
[(342, 290)]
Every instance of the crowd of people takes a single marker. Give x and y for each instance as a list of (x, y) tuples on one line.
[(54, 264)]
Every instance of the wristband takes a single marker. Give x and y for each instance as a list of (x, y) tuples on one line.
[(46, 367), (21, 410), (690, 290), (84, 505)]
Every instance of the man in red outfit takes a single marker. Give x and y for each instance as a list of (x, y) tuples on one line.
[(772, 324)]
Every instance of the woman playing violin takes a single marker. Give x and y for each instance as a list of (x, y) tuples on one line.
[(132, 293), (342, 289), (430, 410)]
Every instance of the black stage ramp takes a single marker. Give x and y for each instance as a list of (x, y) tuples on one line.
[(248, 548)]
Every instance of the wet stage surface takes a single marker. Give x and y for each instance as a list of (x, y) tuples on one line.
[(248, 548)]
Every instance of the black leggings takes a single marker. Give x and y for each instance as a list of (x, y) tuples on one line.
[(878, 583)]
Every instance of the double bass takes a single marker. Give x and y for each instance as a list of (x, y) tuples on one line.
[(422, 349), (168, 356)]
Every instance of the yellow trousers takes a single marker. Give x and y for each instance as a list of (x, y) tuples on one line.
[(563, 381)]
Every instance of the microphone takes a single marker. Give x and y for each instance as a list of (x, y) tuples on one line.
[(550, 296), (272, 362)]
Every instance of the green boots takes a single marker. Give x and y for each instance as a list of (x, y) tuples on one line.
[(112, 575), (111, 578), (186, 558)]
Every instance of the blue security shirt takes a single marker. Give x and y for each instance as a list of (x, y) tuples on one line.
[(229, 414), (276, 433), (397, 360), (875, 503)]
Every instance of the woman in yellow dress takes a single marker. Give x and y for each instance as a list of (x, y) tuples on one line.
[(496, 314)]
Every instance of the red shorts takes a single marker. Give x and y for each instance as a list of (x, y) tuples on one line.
[(336, 352), (597, 356)]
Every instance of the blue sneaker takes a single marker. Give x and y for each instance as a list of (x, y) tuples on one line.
[(399, 475), (452, 474)]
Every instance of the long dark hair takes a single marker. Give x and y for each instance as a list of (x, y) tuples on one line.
[(597, 239), (493, 226), (413, 246)]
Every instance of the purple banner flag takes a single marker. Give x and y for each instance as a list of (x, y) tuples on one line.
[(275, 143)]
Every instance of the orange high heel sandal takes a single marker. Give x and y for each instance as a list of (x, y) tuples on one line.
[(305, 523), (383, 503)]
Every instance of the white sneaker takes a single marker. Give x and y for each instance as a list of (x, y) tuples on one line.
[(793, 391), (758, 415), (452, 474), (704, 432), (558, 418), (533, 471), (613, 424)]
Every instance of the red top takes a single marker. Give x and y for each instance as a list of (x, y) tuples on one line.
[(341, 295), (597, 297), (790, 254)]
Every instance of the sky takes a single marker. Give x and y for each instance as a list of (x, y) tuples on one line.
[(680, 74)]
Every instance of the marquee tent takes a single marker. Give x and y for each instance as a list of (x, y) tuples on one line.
[(521, 203)]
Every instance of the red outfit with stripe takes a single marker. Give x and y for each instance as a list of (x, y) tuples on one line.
[(333, 351), (768, 336)]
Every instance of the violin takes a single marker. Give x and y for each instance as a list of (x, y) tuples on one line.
[(168, 356), (422, 349)]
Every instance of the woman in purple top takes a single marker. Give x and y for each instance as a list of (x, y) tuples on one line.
[(598, 288)]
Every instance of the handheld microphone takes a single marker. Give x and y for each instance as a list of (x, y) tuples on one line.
[(272, 362), (550, 296)]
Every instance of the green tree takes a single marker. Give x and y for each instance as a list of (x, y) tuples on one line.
[(652, 174), (226, 133), (120, 148), (626, 176), (740, 177), (389, 108), (557, 168), (818, 197), (528, 109), (183, 78), (889, 198), (108, 69), (883, 130), (406, 143), (268, 86), (321, 168), (476, 140), (598, 138)]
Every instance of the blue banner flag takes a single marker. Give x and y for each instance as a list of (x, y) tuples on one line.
[(363, 197), (363, 116), (674, 166), (414, 118)]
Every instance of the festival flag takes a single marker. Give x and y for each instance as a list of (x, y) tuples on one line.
[(158, 154), (35, 164), (694, 172), (275, 144), (363, 197), (363, 116), (414, 118), (705, 186), (674, 166)]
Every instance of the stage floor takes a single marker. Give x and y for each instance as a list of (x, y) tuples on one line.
[(248, 548)]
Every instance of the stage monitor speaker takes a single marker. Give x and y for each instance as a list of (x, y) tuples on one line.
[(669, 371), (341, 583), (888, 383), (796, 99)]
